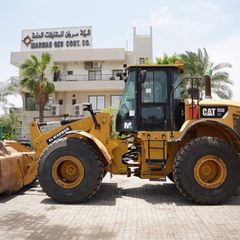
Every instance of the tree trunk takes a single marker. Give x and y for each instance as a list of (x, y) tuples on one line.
[(41, 113)]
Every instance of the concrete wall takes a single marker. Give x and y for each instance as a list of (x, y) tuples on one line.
[(105, 54), (81, 97), (79, 68), (142, 46)]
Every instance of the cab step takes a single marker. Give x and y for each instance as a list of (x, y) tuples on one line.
[(156, 167), (156, 161)]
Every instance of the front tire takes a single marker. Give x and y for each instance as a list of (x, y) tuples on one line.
[(70, 170), (207, 170)]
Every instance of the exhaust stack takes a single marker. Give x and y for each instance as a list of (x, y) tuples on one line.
[(208, 90)]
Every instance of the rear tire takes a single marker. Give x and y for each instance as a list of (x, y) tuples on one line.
[(207, 170), (70, 170)]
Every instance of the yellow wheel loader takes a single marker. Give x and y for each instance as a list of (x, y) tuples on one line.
[(193, 141)]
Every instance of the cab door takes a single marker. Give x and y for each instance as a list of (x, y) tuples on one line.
[(153, 108)]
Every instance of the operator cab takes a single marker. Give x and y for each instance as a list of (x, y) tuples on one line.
[(146, 103)]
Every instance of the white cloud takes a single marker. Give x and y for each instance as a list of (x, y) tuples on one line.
[(196, 25), (162, 16), (197, 17)]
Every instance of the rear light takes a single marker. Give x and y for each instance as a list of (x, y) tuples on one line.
[(193, 111)]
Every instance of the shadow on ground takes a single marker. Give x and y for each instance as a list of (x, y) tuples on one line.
[(19, 225), (154, 194), (5, 197), (108, 193)]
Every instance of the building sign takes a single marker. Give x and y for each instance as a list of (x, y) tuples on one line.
[(56, 38)]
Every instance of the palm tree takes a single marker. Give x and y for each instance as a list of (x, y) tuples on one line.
[(198, 64), (34, 79)]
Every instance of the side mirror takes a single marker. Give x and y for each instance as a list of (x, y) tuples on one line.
[(142, 76)]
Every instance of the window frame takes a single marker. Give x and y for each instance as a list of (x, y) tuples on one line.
[(104, 101), (69, 72), (115, 96), (153, 84), (94, 77), (115, 72), (60, 101), (35, 108), (47, 107), (141, 60)]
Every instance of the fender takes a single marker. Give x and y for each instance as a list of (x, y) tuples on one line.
[(99, 144), (213, 124)]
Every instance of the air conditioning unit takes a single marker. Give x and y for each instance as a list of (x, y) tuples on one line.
[(97, 65), (78, 109), (55, 109), (88, 65)]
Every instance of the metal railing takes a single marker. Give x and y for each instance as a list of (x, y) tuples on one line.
[(87, 77)]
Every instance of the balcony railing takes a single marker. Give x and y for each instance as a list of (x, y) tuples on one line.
[(86, 77)]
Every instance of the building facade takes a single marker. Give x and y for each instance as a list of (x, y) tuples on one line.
[(87, 74)]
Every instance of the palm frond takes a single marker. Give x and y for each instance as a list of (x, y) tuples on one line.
[(222, 65), (55, 68), (222, 77), (45, 60), (223, 91), (48, 87), (196, 64), (34, 59), (29, 83)]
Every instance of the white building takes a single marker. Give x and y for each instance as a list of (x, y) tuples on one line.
[(87, 74)]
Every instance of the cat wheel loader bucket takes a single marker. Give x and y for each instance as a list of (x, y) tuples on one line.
[(17, 166)]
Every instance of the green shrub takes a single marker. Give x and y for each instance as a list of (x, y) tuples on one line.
[(9, 126)]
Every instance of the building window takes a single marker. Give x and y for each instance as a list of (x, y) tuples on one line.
[(115, 74), (56, 76), (115, 101), (98, 102), (30, 103), (74, 101), (141, 60), (95, 75), (70, 72), (60, 101)]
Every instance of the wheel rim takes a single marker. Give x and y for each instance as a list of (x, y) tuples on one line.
[(210, 171), (68, 171)]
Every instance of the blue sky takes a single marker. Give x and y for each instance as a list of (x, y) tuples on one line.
[(177, 26)]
